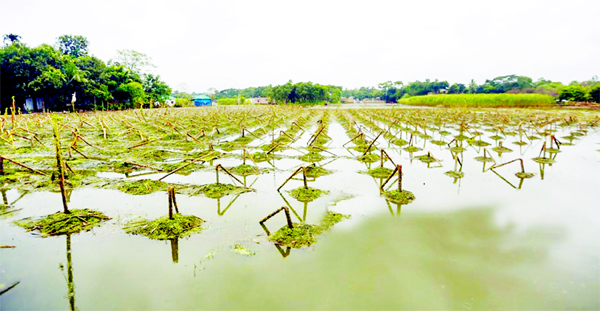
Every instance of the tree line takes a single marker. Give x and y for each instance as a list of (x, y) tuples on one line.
[(288, 93), (392, 91), (54, 76)]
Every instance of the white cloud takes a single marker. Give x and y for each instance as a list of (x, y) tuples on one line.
[(239, 44)]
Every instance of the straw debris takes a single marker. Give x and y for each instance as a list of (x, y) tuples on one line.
[(305, 234), (166, 229), (64, 223)]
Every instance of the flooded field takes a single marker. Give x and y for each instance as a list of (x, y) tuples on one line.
[(494, 209)]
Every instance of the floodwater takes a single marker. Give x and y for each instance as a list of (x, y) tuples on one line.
[(488, 240)]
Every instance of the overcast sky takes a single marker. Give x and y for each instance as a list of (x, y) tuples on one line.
[(236, 44)]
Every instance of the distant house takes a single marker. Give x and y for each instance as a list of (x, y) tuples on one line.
[(202, 100), (259, 101)]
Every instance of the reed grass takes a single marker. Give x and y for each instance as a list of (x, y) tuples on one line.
[(482, 100)]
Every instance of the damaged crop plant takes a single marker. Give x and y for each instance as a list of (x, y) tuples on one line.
[(156, 151), (68, 221)]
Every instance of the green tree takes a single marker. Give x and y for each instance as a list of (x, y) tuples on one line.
[(11, 38), (134, 61), (155, 89), (75, 46), (574, 92), (595, 94)]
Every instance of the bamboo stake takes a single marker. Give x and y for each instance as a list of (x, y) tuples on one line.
[(59, 165), (389, 177), (170, 203), (180, 168), (287, 216), (373, 142), (228, 173), (304, 177), (22, 165), (291, 176)]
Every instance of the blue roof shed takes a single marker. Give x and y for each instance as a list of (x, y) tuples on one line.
[(202, 100)]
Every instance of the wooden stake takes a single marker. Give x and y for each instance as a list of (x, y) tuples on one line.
[(399, 167), (59, 165), (170, 203)]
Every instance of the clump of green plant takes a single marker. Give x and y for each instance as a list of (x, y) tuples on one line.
[(312, 157), (166, 229), (215, 191), (427, 158), (380, 172), (399, 197), (307, 194), (369, 158), (481, 100), (543, 160), (412, 149), (74, 221), (245, 170), (480, 143), (314, 171), (242, 250), (141, 187), (524, 175), (501, 149), (455, 174), (305, 234)]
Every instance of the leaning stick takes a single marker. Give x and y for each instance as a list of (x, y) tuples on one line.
[(228, 173), (287, 216), (373, 142), (23, 165), (390, 177), (175, 170), (145, 166), (291, 176)]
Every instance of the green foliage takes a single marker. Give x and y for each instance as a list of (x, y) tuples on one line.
[(481, 100), (76, 46), (304, 93), (64, 223), (11, 38), (54, 74), (215, 191), (399, 197), (238, 100), (166, 229), (595, 94), (305, 234), (155, 89), (133, 60), (307, 194), (506, 83), (574, 92)]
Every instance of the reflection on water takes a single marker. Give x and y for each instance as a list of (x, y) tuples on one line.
[(533, 251), (70, 283), (447, 261)]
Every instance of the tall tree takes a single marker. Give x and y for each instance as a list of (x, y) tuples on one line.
[(135, 61), (75, 46), (11, 38)]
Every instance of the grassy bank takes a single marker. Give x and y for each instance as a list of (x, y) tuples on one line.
[(481, 100)]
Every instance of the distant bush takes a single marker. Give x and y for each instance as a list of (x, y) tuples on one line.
[(183, 102), (227, 101), (241, 100), (481, 100), (574, 93)]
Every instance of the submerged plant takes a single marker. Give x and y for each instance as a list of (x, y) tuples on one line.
[(399, 197), (307, 194), (302, 235), (166, 229), (64, 223)]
